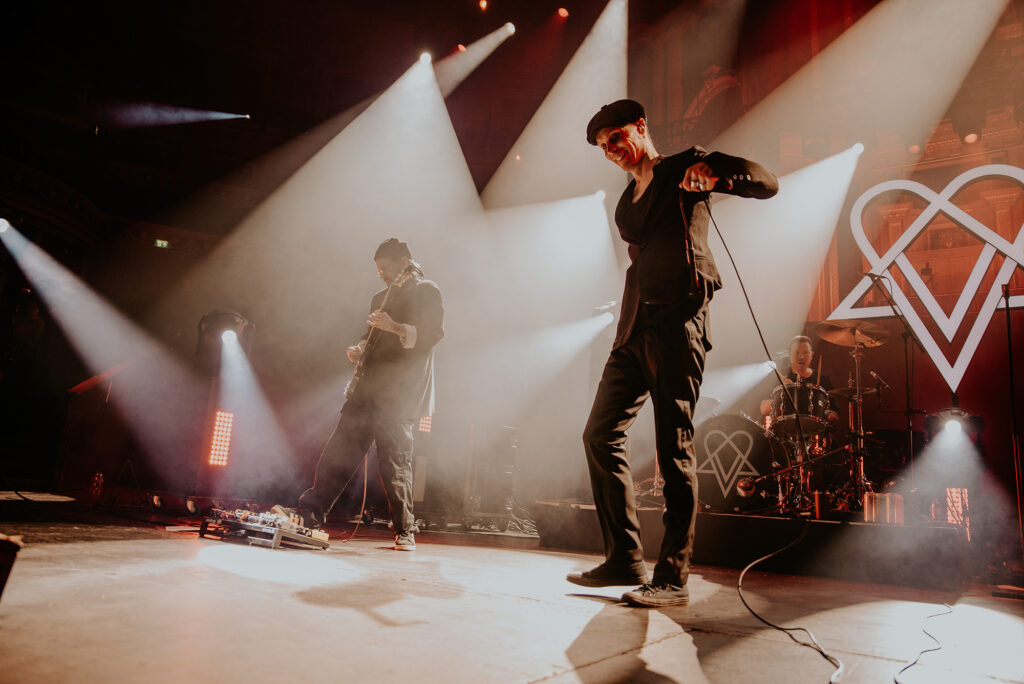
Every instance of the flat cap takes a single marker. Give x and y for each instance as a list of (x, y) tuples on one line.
[(618, 113)]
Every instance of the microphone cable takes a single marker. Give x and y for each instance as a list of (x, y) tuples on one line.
[(834, 661), (936, 647)]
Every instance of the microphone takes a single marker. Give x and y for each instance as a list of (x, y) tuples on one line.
[(881, 382)]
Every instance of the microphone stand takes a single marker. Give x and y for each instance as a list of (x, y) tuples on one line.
[(908, 334), (1015, 437)]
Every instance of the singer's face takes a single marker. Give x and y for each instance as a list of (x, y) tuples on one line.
[(801, 354), (623, 145)]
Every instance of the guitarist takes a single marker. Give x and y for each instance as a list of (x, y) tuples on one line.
[(392, 388)]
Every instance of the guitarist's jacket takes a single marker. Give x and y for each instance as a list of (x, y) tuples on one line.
[(399, 373)]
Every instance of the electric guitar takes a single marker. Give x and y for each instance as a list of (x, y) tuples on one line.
[(408, 272)]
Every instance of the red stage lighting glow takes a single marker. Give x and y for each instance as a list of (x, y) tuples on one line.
[(562, 12), (483, 4), (220, 442), (460, 47)]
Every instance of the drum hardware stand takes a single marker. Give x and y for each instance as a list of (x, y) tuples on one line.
[(861, 484), (801, 498), (653, 486)]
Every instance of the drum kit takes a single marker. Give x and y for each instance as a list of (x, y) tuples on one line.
[(799, 460)]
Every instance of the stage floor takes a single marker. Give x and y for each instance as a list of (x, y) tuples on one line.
[(103, 599)]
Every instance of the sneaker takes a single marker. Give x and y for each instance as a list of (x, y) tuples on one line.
[(405, 541), (606, 575), (303, 517), (314, 518), (658, 595)]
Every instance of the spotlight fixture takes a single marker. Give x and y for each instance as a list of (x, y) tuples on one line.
[(4, 225), (483, 4), (460, 47), (562, 12), (510, 27), (858, 148), (952, 421), (425, 58), (229, 336), (600, 195), (212, 329), (968, 118)]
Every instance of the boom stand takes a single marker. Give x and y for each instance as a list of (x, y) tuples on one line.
[(908, 334), (1015, 437)]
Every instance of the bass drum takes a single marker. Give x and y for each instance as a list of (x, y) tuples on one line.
[(730, 448)]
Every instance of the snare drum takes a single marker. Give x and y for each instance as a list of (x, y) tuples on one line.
[(812, 407)]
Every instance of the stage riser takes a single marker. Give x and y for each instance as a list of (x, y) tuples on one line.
[(920, 556)]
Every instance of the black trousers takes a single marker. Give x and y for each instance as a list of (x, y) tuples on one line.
[(664, 360), (361, 424)]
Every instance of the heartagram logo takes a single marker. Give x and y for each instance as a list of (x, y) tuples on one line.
[(728, 458), (1013, 252)]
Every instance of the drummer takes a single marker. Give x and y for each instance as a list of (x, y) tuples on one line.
[(801, 355)]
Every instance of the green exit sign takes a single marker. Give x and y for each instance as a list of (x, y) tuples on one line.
[(163, 244)]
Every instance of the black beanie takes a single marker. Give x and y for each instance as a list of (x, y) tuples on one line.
[(392, 248)]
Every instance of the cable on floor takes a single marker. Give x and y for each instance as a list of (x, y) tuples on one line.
[(835, 662), (936, 647)]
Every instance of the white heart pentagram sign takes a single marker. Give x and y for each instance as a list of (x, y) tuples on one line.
[(1014, 253)]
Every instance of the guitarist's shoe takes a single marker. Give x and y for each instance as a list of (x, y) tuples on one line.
[(303, 517), (405, 541), (610, 575), (314, 518)]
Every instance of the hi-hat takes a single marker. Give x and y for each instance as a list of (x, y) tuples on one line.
[(847, 392), (852, 333)]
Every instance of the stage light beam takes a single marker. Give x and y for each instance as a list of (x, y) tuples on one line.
[(802, 219), (560, 163), (891, 52), (114, 349), (454, 68)]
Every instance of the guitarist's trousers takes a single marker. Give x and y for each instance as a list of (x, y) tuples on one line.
[(360, 426), (663, 360)]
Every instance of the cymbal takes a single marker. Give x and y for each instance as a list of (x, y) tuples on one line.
[(848, 392), (852, 333)]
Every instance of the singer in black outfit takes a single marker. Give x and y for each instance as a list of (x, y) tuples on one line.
[(395, 390), (660, 345)]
